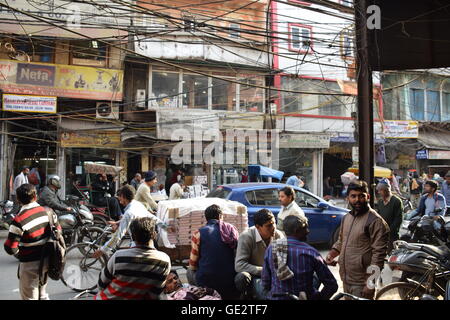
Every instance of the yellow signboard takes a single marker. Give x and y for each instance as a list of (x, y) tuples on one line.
[(58, 80), (90, 139)]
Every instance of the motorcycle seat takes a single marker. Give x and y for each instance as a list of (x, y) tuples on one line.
[(441, 251)]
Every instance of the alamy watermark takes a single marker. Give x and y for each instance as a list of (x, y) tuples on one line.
[(374, 18), (232, 146)]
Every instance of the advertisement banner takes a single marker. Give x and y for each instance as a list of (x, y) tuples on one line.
[(439, 154), (401, 129), (90, 139), (61, 80), (298, 140), (25, 103)]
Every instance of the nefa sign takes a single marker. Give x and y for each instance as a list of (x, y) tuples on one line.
[(36, 74)]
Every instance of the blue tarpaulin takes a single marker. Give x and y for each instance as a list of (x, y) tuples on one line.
[(264, 172)]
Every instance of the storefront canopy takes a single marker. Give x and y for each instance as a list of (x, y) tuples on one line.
[(438, 140), (379, 172), (265, 172)]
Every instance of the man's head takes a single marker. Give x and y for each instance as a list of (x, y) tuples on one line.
[(181, 183), (173, 282), (213, 212), (358, 196), (125, 195), (138, 177), (296, 226), (102, 177), (286, 195), (384, 188), (430, 186), (447, 177), (264, 221), (54, 182), (143, 230), (26, 194), (150, 178), (25, 170)]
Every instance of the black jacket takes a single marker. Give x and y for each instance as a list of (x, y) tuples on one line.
[(51, 199)]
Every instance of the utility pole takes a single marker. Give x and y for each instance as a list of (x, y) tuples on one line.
[(365, 98)]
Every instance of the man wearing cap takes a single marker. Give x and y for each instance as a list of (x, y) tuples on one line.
[(446, 191), (390, 207), (21, 179), (143, 193)]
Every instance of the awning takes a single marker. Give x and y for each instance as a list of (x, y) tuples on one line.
[(379, 172), (265, 172), (435, 140)]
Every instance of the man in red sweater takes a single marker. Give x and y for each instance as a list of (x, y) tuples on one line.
[(28, 234)]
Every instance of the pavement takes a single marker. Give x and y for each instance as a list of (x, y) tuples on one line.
[(9, 288)]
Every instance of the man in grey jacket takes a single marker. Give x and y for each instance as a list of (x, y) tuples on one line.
[(49, 196), (252, 245)]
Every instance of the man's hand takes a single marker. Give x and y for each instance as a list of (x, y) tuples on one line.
[(330, 257), (97, 254), (368, 293), (69, 209), (114, 225)]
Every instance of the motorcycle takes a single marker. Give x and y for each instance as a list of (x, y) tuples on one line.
[(424, 268)]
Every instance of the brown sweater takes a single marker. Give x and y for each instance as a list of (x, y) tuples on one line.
[(363, 241)]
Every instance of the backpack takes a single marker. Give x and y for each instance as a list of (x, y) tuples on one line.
[(33, 179), (54, 249)]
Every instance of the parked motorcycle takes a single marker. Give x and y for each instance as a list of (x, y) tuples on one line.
[(424, 268), (8, 212), (421, 229)]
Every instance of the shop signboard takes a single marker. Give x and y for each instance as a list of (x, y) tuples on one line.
[(439, 154), (304, 141), (57, 80), (27, 103), (90, 139), (422, 154), (349, 137), (399, 129)]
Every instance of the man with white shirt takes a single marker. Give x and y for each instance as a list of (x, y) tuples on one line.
[(133, 209), (21, 179), (289, 207), (176, 190)]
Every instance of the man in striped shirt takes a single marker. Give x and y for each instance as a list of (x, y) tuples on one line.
[(137, 273), (27, 236)]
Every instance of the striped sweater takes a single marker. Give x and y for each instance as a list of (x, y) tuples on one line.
[(28, 233), (137, 273)]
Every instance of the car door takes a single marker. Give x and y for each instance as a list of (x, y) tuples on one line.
[(262, 199), (319, 229)]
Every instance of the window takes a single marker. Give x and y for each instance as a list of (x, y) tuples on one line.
[(433, 106), (38, 51), (195, 91), (347, 46), (223, 95), (264, 197), (347, 3), (305, 200), (164, 89), (300, 38), (446, 106), (234, 32), (251, 98), (89, 53), (219, 192), (416, 104)]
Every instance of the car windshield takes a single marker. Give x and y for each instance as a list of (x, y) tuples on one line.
[(219, 192)]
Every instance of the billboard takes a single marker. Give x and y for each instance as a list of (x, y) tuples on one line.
[(26, 103)]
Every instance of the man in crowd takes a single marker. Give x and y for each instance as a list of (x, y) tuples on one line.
[(133, 210), (432, 202), (446, 191), (213, 253), (49, 196), (176, 190), (290, 265), (136, 181), (137, 273), (416, 189), (363, 241), (20, 179), (294, 180), (390, 207), (252, 245), (28, 234), (289, 207), (176, 290), (101, 196), (143, 193)]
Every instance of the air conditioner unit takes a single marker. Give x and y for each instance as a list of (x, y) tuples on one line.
[(141, 102), (107, 110)]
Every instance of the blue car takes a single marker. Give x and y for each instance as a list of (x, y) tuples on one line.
[(324, 219)]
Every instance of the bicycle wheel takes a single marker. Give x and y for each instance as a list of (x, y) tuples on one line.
[(400, 291), (81, 271)]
